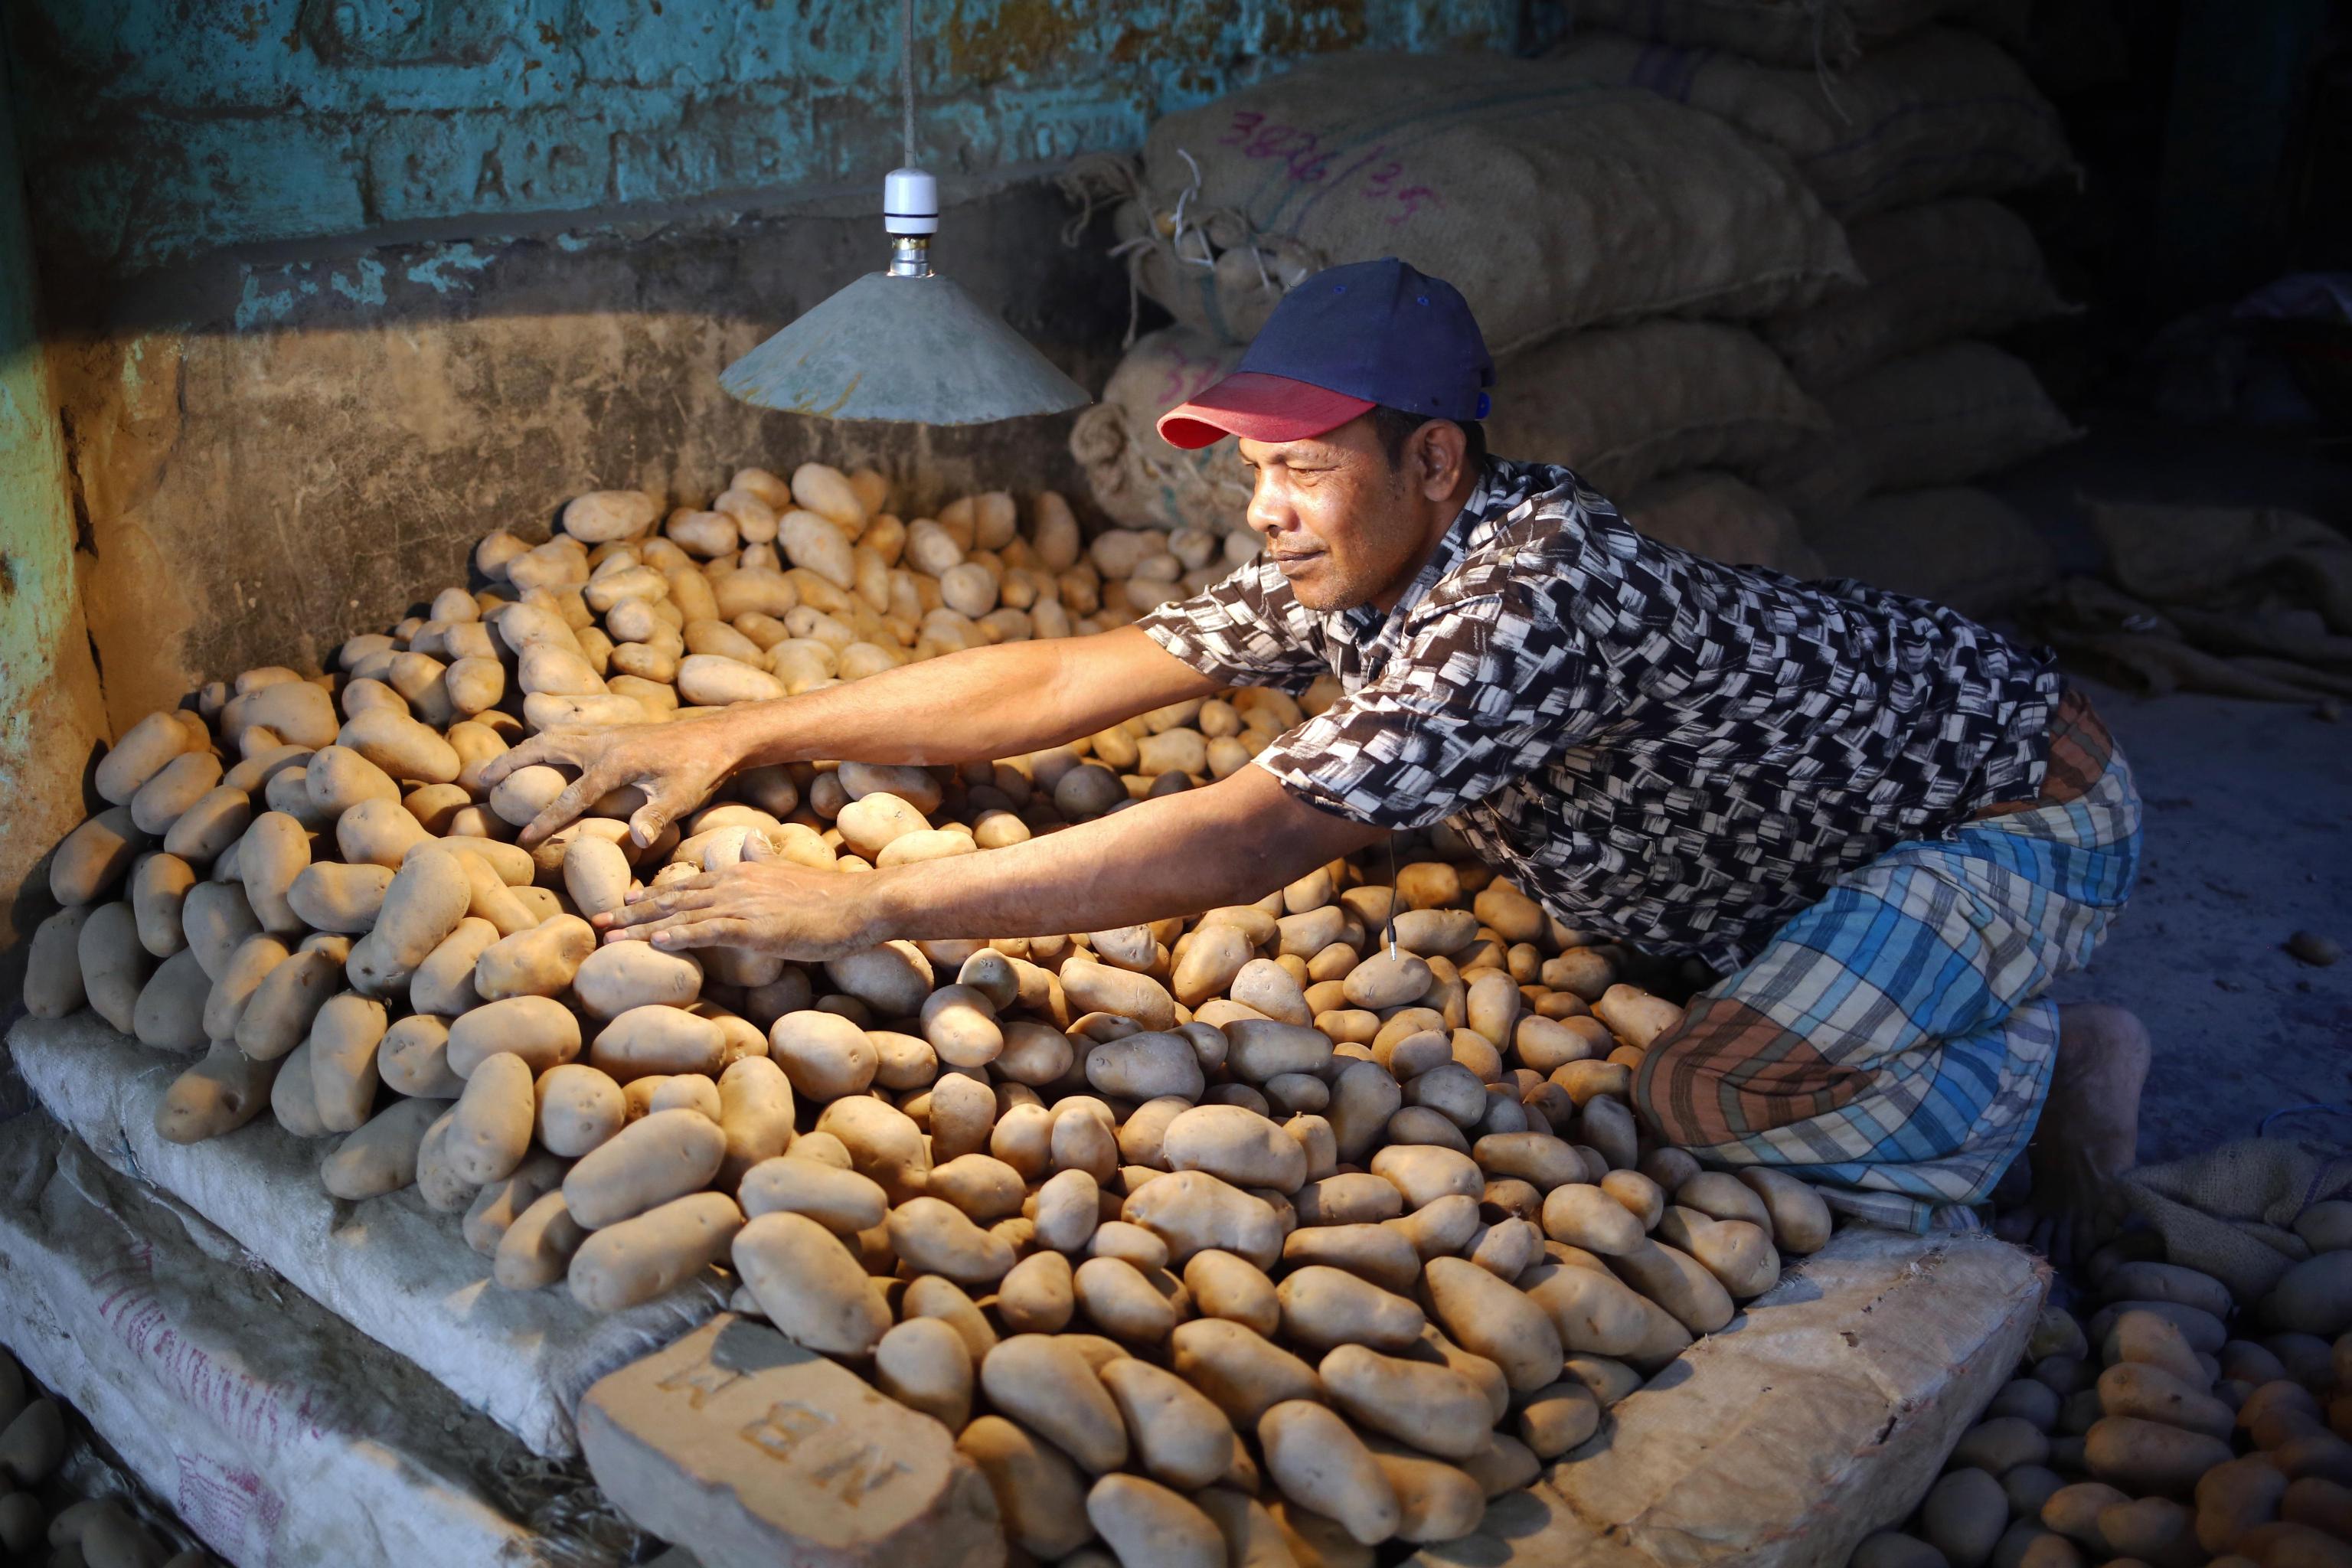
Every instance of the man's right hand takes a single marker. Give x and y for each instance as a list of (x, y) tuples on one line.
[(676, 764)]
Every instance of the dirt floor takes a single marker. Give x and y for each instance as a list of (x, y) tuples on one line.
[(2249, 823)]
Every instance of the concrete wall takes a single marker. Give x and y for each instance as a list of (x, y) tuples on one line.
[(52, 720), (160, 129)]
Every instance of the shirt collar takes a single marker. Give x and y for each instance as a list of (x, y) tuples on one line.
[(1367, 625)]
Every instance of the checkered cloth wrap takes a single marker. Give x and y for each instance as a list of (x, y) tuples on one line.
[(1659, 748), (1888, 1042)]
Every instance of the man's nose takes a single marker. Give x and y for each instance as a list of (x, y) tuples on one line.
[(1269, 513)]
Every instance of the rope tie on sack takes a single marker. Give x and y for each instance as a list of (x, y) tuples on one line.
[(1822, 72), (1208, 257)]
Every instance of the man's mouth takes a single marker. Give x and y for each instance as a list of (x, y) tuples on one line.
[(1287, 561)]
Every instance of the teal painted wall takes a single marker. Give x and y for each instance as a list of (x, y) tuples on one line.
[(159, 130), (50, 718)]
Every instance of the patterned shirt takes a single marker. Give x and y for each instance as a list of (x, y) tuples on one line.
[(1658, 747)]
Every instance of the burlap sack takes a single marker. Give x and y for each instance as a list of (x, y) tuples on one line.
[(1945, 416), (2227, 1212), (1809, 33), (1139, 479), (1717, 516), (1623, 405), (1958, 547), (1940, 113), (1551, 202), (1937, 271)]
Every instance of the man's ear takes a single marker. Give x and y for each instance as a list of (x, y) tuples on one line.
[(1439, 448)]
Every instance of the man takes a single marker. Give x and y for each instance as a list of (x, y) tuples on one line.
[(1889, 826)]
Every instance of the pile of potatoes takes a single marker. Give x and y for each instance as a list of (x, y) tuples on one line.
[(1161, 1220), (2178, 1445), (99, 1533)]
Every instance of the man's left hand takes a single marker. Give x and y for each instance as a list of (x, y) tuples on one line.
[(762, 904)]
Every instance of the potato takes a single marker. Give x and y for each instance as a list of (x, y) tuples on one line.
[(1963, 1517), (538, 1029), (491, 1131), (1800, 1220), (536, 1249), (2147, 1457), (1440, 1225), (496, 1207), (1324, 1308), (2315, 1296), (1148, 1526), (145, 749), (1591, 1311), (1178, 1434), (663, 1156), (1043, 1383), (1320, 1464), (95, 857), (53, 982), (935, 1237), (428, 896), (159, 885), (825, 1055), (169, 1014), (1678, 1282), (327, 896), (1433, 1407), (1037, 1295), (2151, 1394), (2234, 1498), (1040, 1495), (344, 1040), (1426, 1173), (658, 1040), (1192, 1210), (1095, 987), (1371, 1252), (882, 1143), (1236, 1145), (380, 1157), (1585, 1215), (1739, 1254), (1242, 1372), (221, 1093), (642, 1256)]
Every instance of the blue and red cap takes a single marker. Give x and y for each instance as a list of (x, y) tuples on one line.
[(1342, 341)]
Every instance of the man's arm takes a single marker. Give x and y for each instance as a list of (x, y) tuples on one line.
[(981, 704), (1229, 843)]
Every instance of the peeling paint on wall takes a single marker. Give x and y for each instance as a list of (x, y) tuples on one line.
[(51, 719), (158, 131)]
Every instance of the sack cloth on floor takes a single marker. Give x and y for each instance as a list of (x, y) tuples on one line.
[(2237, 601), (1937, 271), (1551, 202), (1940, 113), (2227, 1212), (1719, 516)]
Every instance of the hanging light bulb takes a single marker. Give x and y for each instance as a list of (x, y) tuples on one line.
[(904, 344)]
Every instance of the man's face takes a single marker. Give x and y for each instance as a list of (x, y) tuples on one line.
[(1341, 522)]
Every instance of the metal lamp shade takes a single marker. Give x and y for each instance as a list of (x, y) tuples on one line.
[(912, 349)]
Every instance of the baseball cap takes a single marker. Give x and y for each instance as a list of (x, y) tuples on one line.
[(1338, 344)]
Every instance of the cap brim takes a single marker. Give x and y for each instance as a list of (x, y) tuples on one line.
[(1259, 407)]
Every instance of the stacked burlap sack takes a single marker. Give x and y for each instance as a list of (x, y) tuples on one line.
[(1654, 232), (1905, 141), (1606, 238)]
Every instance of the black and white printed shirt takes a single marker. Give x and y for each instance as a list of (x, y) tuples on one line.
[(1658, 747)]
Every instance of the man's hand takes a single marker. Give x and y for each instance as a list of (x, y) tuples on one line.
[(676, 764), (765, 903)]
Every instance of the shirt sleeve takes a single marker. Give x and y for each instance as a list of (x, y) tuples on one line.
[(1236, 632), (1482, 693)]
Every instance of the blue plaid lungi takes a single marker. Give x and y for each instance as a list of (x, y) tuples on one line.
[(1890, 1043)]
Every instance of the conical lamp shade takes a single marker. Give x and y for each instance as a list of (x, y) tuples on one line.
[(918, 350)]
